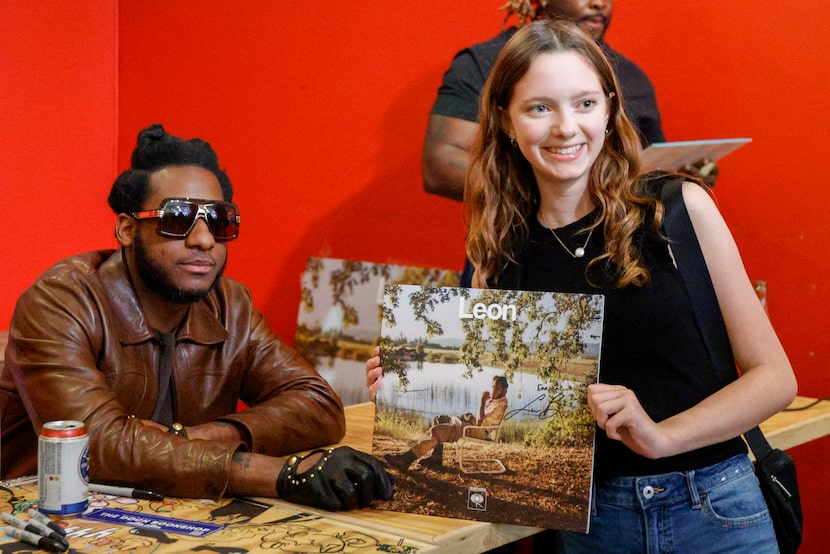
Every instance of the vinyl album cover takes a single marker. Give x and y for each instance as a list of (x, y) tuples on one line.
[(338, 323), (482, 412)]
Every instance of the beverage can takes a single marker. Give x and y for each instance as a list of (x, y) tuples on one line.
[(63, 468)]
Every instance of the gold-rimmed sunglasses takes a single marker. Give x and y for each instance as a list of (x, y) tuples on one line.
[(177, 217)]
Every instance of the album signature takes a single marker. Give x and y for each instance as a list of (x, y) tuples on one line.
[(541, 407)]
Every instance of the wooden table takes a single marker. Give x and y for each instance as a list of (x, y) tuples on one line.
[(787, 429), (181, 525)]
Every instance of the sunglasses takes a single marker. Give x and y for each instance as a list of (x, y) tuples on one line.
[(178, 216)]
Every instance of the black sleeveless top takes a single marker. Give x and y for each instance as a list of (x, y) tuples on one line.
[(650, 343)]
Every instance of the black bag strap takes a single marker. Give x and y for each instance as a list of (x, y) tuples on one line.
[(758, 442), (695, 276)]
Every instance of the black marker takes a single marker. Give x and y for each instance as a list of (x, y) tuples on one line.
[(35, 540), (34, 526), (125, 492), (46, 520)]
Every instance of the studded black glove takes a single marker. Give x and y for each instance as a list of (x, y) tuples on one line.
[(342, 479)]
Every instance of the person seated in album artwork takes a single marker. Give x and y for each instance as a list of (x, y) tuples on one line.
[(448, 429)]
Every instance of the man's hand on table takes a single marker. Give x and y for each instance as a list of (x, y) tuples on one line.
[(334, 479)]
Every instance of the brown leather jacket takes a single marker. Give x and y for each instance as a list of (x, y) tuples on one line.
[(80, 348)]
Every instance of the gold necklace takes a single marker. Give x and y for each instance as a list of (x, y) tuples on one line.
[(580, 250)]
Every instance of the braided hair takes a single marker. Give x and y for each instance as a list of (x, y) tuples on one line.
[(156, 149)]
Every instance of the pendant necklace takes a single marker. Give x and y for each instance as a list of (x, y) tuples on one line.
[(580, 250)]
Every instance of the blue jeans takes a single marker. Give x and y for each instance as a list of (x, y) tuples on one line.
[(719, 508)]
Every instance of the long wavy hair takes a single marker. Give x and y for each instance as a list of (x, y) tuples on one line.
[(501, 194)]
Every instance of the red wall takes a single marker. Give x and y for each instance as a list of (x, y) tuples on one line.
[(57, 135), (318, 113)]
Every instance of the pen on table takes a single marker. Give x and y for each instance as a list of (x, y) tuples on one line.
[(46, 520), (127, 492), (34, 526), (35, 540)]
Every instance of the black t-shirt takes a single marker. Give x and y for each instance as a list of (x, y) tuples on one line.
[(650, 341), (459, 93)]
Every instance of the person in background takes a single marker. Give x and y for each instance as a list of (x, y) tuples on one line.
[(453, 121), (152, 347), (557, 202)]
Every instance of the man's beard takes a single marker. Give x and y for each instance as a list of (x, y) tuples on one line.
[(155, 278)]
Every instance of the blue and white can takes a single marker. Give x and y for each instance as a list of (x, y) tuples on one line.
[(63, 468)]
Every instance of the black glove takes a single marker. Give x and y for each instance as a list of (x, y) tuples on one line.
[(342, 479)]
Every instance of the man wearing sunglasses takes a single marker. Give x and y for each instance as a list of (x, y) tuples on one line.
[(152, 347)]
